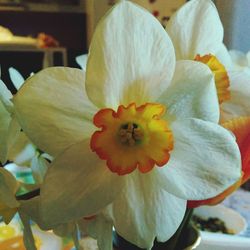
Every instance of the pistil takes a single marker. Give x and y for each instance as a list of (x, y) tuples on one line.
[(130, 134)]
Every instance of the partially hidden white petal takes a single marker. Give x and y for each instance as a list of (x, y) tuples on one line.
[(53, 109), (144, 211), (5, 119), (39, 167), (239, 58), (13, 137), (78, 184), (248, 58), (5, 97), (239, 103), (82, 61), (21, 150), (16, 78), (224, 57), (99, 228), (8, 188), (195, 29), (131, 58), (192, 93), (204, 162)]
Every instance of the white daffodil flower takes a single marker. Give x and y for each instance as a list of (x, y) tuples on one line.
[(197, 34), (198, 23), (139, 135)]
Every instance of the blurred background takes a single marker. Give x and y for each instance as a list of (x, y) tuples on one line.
[(43, 33)]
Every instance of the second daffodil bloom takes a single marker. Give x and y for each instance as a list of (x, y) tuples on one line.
[(138, 134), (198, 23), (197, 34)]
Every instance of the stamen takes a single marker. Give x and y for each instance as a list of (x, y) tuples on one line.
[(130, 134)]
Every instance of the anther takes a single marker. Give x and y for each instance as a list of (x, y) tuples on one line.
[(130, 134)]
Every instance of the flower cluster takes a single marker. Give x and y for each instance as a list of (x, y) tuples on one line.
[(155, 121)]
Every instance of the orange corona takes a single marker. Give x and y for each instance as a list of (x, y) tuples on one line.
[(220, 75), (133, 137)]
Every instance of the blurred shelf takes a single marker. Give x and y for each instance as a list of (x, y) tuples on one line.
[(35, 7)]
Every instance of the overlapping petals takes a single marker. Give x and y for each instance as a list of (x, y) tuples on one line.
[(190, 96), (77, 179)]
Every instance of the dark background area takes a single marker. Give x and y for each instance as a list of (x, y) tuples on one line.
[(68, 28)]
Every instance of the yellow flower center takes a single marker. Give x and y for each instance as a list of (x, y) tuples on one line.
[(220, 75), (133, 137)]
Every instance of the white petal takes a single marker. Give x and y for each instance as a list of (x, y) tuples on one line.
[(192, 93), (239, 103), (53, 109), (248, 58), (195, 29), (82, 61), (131, 58), (78, 184), (39, 167), (16, 78), (5, 96), (224, 57), (144, 211), (204, 162), (5, 119), (239, 58), (13, 136), (21, 151), (8, 188)]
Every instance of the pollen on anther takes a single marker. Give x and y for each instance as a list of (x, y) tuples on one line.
[(130, 134)]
